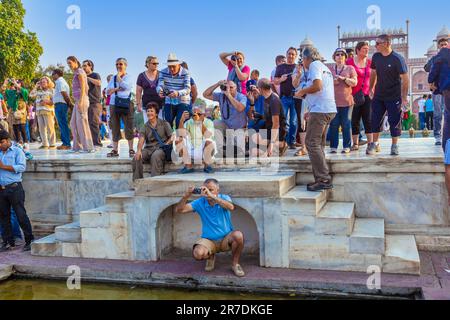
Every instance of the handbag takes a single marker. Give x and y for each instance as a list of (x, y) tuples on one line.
[(167, 148), (123, 104), (18, 115), (359, 97)]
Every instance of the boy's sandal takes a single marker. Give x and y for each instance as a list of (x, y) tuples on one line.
[(113, 154)]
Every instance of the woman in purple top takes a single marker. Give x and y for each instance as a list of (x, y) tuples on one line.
[(237, 71), (82, 138), (146, 86)]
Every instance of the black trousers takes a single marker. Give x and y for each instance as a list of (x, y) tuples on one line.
[(20, 133), (362, 112), (14, 197), (429, 120)]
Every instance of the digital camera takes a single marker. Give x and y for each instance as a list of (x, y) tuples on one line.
[(197, 191), (234, 57), (166, 92), (223, 87)]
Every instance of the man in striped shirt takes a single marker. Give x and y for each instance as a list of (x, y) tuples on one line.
[(175, 86)]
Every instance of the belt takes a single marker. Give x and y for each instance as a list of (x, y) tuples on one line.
[(12, 185)]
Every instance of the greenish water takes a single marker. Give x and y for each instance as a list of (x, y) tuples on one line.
[(19, 289)]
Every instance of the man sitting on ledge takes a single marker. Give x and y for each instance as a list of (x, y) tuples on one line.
[(218, 232)]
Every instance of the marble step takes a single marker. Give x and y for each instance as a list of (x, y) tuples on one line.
[(70, 233), (368, 237), (47, 247), (119, 202), (5, 271), (402, 256), (236, 184), (302, 202), (333, 261), (336, 218), (97, 218)]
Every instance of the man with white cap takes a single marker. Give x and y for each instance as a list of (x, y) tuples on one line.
[(175, 86), (196, 140)]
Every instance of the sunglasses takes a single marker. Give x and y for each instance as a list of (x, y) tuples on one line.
[(119, 64), (379, 43), (155, 63), (339, 55)]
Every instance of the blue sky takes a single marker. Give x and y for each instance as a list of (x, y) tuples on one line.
[(197, 31)]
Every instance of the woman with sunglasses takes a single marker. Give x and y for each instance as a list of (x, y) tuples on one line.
[(119, 88), (345, 78), (363, 105), (146, 86)]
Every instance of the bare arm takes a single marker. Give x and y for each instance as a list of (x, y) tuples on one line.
[(241, 75), (373, 80), (224, 57), (95, 82), (139, 97), (183, 206), (194, 92), (315, 87), (405, 87), (209, 93), (296, 78)]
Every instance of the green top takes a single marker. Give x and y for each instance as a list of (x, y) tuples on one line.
[(13, 97)]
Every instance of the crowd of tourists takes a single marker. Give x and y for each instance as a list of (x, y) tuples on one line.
[(300, 106)]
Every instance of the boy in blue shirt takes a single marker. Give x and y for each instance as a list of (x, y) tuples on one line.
[(218, 234)]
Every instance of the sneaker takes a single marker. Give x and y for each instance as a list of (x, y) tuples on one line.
[(26, 247), (186, 170), (371, 149), (319, 186), (394, 150), (210, 263), (438, 143), (346, 151), (52, 148), (292, 147), (208, 170), (377, 147), (71, 151), (88, 151), (110, 146), (238, 271), (333, 151)]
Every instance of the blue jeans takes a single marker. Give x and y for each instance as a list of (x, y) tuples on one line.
[(421, 120), (291, 118), (439, 107), (342, 119), (61, 111), (27, 130), (173, 112)]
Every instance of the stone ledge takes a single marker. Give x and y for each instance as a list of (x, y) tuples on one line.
[(5, 271)]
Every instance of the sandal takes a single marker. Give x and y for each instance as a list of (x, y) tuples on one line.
[(355, 147), (301, 153), (113, 154), (210, 263), (284, 150), (132, 153), (238, 271)]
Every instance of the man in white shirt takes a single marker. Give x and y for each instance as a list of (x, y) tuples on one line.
[(319, 94), (62, 101)]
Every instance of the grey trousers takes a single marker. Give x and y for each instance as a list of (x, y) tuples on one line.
[(94, 113), (156, 158), (439, 107), (316, 133)]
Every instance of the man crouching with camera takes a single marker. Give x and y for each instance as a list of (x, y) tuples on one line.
[(218, 234)]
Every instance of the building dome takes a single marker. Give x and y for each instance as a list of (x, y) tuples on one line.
[(444, 33), (433, 49), (306, 43)]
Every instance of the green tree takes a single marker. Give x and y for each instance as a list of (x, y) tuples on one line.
[(19, 49), (47, 71)]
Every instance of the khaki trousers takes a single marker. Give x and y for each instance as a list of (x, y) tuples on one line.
[(156, 158), (316, 134), (46, 123)]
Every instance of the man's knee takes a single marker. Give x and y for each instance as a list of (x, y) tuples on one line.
[(237, 237), (200, 253)]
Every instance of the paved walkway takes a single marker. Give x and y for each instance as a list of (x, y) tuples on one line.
[(434, 281)]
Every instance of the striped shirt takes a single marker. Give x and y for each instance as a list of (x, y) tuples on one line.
[(180, 82)]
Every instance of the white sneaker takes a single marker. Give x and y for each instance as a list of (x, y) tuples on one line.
[(26, 147)]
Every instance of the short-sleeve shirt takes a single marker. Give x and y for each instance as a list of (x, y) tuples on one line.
[(162, 128), (342, 91), (95, 92), (324, 100), (389, 69), (149, 93), (216, 221), (363, 76), (242, 84), (421, 104), (232, 117), (286, 87), (60, 86), (195, 131), (274, 107), (13, 97)]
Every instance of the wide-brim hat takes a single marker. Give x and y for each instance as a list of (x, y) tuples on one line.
[(340, 50), (172, 60)]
